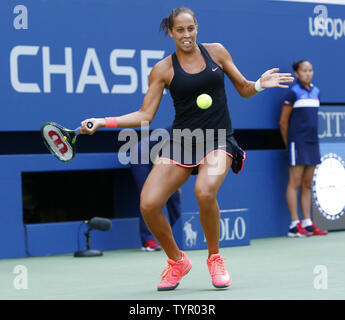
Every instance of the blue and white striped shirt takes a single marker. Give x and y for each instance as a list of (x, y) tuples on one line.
[(303, 122)]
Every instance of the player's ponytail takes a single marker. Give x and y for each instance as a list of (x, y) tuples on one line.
[(168, 22), (164, 26)]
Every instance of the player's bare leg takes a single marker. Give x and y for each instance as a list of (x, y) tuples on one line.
[(162, 182), (210, 177)]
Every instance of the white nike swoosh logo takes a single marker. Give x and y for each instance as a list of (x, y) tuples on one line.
[(214, 69)]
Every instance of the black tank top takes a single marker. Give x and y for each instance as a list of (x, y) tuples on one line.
[(186, 87)]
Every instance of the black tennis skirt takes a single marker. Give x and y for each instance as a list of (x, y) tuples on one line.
[(190, 153)]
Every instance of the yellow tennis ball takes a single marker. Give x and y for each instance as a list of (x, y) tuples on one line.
[(65, 138), (204, 101)]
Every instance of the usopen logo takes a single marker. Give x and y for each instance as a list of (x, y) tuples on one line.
[(322, 25)]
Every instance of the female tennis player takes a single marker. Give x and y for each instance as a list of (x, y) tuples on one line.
[(192, 70)]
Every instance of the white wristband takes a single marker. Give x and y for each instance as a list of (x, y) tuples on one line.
[(258, 87)]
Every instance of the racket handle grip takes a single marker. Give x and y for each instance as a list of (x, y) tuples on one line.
[(89, 125)]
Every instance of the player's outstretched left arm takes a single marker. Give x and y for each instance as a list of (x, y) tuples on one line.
[(269, 79)]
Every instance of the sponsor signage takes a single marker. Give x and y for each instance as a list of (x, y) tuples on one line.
[(234, 230), (331, 123), (91, 61)]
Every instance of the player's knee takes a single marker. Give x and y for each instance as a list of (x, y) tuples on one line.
[(205, 194), (148, 205)]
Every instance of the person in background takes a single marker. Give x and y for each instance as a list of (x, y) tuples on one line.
[(299, 130)]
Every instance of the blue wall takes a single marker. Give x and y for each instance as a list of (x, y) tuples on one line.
[(108, 48), (259, 34)]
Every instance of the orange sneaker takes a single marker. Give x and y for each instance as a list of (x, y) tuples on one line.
[(220, 277), (173, 273)]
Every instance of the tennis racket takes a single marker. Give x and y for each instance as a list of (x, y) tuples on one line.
[(61, 142)]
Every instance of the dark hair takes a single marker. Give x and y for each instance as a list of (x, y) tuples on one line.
[(296, 64), (168, 22)]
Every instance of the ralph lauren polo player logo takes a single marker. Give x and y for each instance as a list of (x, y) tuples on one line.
[(190, 234)]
